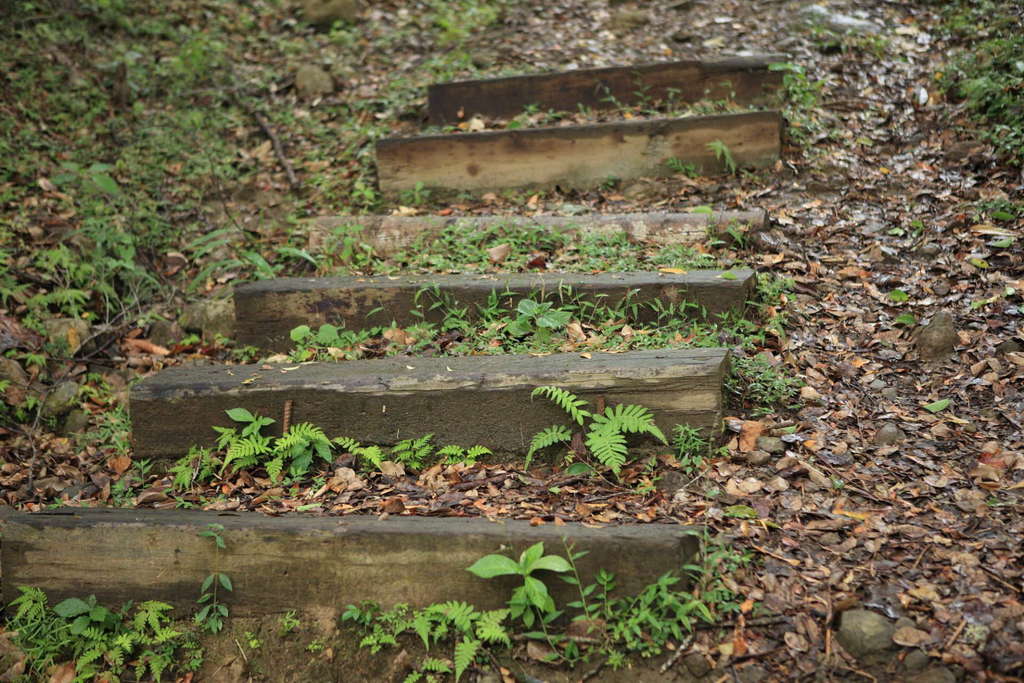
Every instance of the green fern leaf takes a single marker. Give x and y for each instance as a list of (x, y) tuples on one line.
[(436, 665), (422, 625), (275, 467), (489, 627), (631, 419), (566, 400), (547, 437), (465, 653), (478, 451), (608, 446)]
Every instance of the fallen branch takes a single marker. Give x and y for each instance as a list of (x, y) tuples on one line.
[(278, 149)]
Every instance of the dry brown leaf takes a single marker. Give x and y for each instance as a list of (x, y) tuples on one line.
[(392, 469), (119, 463), (908, 636), (749, 432), (146, 346), (63, 673), (499, 253)]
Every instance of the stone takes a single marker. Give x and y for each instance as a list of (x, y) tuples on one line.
[(753, 673), (890, 393), (758, 457), (165, 332), (937, 339), (211, 317), (889, 434), (312, 81), (877, 385), (936, 674), (77, 422), (696, 664), (863, 633), (73, 332), (837, 21), (1009, 346), (627, 19), (11, 371), (771, 444), (930, 249), (916, 660), (330, 11), (61, 399), (672, 481)]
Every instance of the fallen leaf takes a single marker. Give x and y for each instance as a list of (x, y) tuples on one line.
[(499, 253), (908, 636), (749, 432), (119, 463), (146, 346)]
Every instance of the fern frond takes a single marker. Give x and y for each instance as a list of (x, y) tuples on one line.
[(452, 451), (422, 625), (348, 443), (413, 677), (631, 419), (436, 665), (478, 451), (274, 468), (489, 627), (608, 446), (465, 653), (566, 400), (547, 437)]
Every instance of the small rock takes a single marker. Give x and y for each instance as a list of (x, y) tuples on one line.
[(211, 317), (941, 288), (836, 21), (672, 481), (61, 399), (758, 457), (165, 332), (627, 19), (696, 664), (830, 538), (573, 209), (312, 81), (1010, 346), (330, 11), (754, 673), (937, 339), (936, 674), (890, 393), (877, 385), (77, 422), (889, 434), (70, 331), (863, 632), (11, 371), (771, 444), (916, 660), (930, 249)]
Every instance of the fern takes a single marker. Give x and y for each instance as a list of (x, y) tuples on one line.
[(630, 419), (413, 677), (436, 665), (477, 451), (547, 437), (422, 625), (489, 627), (609, 447), (465, 653), (566, 400), (413, 452)]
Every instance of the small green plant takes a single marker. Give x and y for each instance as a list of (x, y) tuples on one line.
[(802, 97), (684, 168), (606, 432), (417, 196), (757, 383), (101, 642), (723, 154), (253, 641), (538, 319), (288, 623), (329, 342), (691, 447), (531, 600), (213, 612)]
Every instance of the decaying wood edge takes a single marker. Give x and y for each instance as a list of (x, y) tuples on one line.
[(388, 234)]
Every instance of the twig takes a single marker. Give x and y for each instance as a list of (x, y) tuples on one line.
[(956, 634), (246, 659), (995, 575), (278, 149), (593, 672), (681, 649)]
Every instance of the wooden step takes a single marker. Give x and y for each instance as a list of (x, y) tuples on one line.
[(744, 80), (387, 234), (277, 564), (575, 156), (267, 310), (462, 400)]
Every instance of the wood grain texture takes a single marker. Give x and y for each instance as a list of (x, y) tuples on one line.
[(387, 234), (575, 156), (744, 80), (300, 562), (462, 400), (267, 310)]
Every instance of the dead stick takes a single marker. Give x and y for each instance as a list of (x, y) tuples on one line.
[(278, 149)]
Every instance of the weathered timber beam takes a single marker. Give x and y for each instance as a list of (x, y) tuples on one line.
[(267, 310), (576, 156), (744, 80), (462, 400), (298, 562)]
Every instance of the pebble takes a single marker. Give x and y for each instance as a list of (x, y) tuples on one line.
[(889, 434)]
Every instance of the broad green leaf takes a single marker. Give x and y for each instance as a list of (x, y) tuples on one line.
[(740, 512), (489, 566), (537, 593), (240, 415), (106, 183), (578, 468), (906, 319), (225, 581), (552, 563), (554, 319), (531, 555), (937, 406), (728, 275), (899, 296), (327, 335), (978, 263), (71, 607), (299, 333), (528, 307), (1003, 243)]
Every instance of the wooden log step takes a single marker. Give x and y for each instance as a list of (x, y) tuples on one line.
[(300, 563), (575, 156), (744, 80), (388, 234), (267, 310), (462, 400)]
